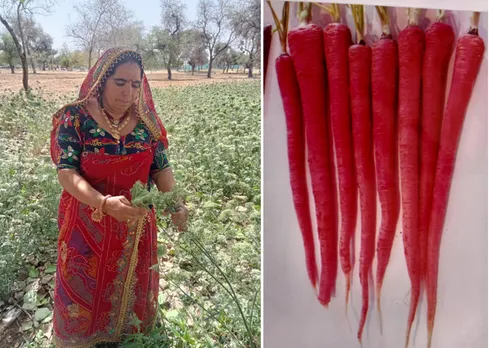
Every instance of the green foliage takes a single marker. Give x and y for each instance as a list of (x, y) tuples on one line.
[(8, 50), (169, 201), (162, 48), (29, 191), (69, 59), (214, 136)]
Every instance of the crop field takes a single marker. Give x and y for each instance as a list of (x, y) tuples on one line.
[(210, 275)]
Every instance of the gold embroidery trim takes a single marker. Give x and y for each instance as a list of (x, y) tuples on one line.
[(128, 287), (129, 279), (152, 128), (66, 219)]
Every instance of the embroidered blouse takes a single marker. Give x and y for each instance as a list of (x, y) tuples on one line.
[(79, 133)]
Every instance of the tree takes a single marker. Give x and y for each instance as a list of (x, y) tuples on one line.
[(214, 20), (9, 54), (13, 12), (157, 47), (173, 20), (38, 43), (97, 22), (250, 46), (69, 59), (151, 57), (227, 59), (129, 35), (246, 20), (193, 50)]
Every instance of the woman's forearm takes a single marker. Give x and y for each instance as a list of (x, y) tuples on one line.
[(164, 179), (79, 188)]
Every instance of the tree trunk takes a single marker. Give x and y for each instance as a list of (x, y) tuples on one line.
[(25, 72), (169, 72), (89, 59), (209, 71), (25, 77), (193, 69), (23, 56), (12, 68), (33, 65), (250, 71)]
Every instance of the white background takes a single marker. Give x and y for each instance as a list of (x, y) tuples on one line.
[(292, 315)]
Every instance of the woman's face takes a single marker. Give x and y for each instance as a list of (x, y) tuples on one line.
[(122, 88)]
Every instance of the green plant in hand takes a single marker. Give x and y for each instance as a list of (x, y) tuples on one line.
[(167, 201)]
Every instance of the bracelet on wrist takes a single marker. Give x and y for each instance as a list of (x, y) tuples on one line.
[(99, 213)]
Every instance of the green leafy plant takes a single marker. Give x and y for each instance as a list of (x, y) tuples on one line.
[(169, 201)]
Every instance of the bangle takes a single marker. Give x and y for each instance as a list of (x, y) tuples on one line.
[(99, 213)]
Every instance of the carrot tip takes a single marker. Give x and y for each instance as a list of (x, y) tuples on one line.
[(325, 304), (348, 285), (379, 310), (407, 340), (430, 331)]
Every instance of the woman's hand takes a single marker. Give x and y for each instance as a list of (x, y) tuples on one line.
[(179, 218), (121, 209)]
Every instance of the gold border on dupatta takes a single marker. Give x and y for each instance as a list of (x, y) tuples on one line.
[(128, 289), (130, 284)]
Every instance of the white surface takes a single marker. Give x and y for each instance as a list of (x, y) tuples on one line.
[(292, 315)]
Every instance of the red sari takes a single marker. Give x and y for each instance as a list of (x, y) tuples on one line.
[(105, 286)]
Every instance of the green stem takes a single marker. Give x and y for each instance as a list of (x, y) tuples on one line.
[(208, 312), (211, 258), (230, 291)]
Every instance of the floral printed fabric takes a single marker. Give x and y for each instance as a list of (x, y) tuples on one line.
[(79, 134)]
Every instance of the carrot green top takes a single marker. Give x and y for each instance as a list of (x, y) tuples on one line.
[(384, 19), (305, 13), (282, 25), (358, 18), (333, 10), (474, 23), (413, 16), (440, 16)]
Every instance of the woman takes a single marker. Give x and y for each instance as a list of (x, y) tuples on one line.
[(102, 144)]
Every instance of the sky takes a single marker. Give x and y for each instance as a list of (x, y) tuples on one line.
[(150, 13)]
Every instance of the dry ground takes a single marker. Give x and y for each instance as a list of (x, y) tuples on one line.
[(69, 81)]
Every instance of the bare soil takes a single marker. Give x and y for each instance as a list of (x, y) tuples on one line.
[(69, 81)]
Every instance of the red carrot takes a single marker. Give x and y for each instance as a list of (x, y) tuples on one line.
[(359, 58), (291, 99), (468, 59), (267, 38), (306, 50), (439, 45), (337, 40), (384, 95), (411, 46)]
